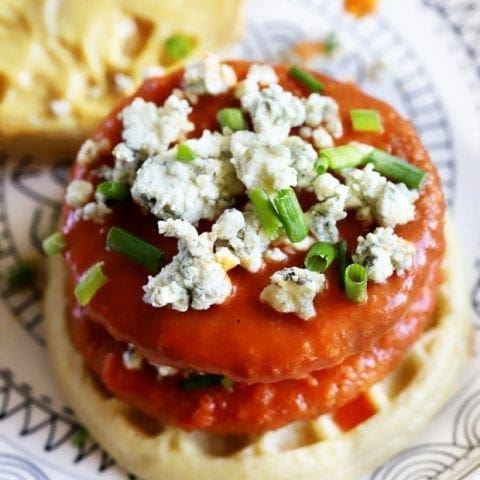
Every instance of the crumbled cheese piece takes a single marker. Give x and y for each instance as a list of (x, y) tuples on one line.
[(226, 258), (210, 145), (304, 158), (259, 164), (60, 108), (148, 129), (322, 217), (321, 138), (78, 193), (166, 370), (292, 247), (190, 191), (262, 74), (193, 278), (395, 205), (305, 132), (382, 253), (242, 234), (274, 112), (91, 150), (209, 76), (247, 90), (275, 255), (131, 358), (375, 197), (293, 290), (94, 211), (321, 109), (364, 187), (125, 166)]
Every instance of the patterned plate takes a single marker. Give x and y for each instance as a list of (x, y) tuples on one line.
[(423, 56)]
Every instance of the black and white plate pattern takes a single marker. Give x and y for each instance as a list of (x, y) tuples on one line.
[(430, 52)]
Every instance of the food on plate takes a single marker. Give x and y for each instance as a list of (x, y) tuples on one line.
[(73, 61), (256, 285), (360, 8)]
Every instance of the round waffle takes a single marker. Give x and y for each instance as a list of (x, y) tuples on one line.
[(317, 449)]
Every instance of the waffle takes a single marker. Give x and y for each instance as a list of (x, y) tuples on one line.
[(318, 449), (74, 61)]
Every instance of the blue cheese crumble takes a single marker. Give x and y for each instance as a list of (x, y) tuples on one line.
[(190, 191), (78, 193), (292, 290), (261, 164), (323, 216), (274, 112), (193, 278), (208, 76), (376, 198), (242, 235), (258, 75), (383, 253)]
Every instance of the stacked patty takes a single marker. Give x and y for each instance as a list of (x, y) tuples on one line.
[(241, 365)]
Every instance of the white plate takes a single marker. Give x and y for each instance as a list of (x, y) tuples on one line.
[(432, 52)]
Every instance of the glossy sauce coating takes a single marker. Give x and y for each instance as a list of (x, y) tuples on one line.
[(244, 339), (251, 408)]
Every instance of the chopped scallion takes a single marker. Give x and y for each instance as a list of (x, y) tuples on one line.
[(265, 211), (79, 436), (291, 215), (134, 248), (178, 46), (356, 282), (364, 120), (21, 275), (54, 244), (197, 380), (331, 43), (113, 190), (227, 382), (396, 168), (321, 165), (342, 260), (92, 280), (306, 78), (185, 153), (320, 256), (344, 156), (231, 118)]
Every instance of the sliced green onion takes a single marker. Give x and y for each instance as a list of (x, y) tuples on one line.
[(396, 168), (331, 43), (364, 120), (356, 282), (113, 190), (231, 118), (306, 78), (21, 275), (185, 153), (92, 280), (321, 165), (79, 436), (342, 260), (134, 248), (54, 244), (178, 46), (291, 215), (227, 382), (197, 380), (320, 256), (265, 210), (345, 156)]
